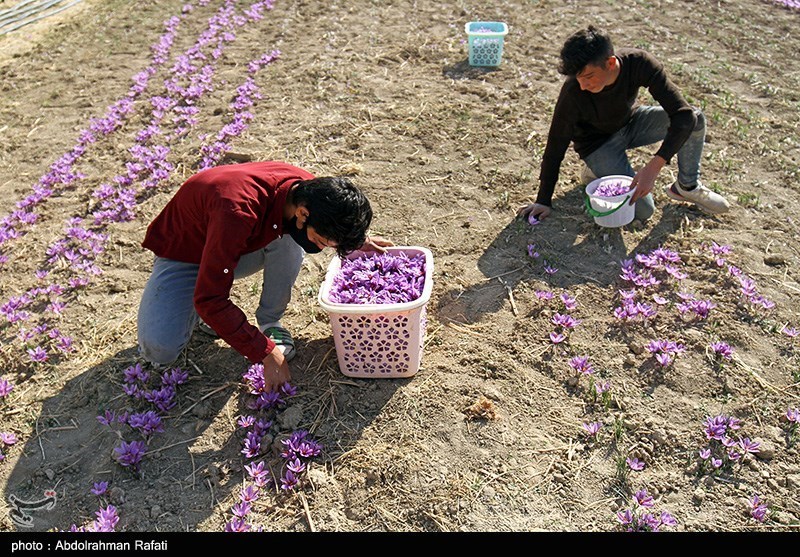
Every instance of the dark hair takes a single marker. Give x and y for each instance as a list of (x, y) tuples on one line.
[(337, 210), (587, 46)]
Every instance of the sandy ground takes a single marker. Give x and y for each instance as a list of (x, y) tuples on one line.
[(487, 436)]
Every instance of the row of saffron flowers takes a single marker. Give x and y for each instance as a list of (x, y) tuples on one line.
[(80, 244), (298, 449), (664, 351), (75, 253)]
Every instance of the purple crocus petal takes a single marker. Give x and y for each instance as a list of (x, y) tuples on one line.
[(246, 421), (748, 446), (790, 331), (592, 428), (557, 338), (716, 462), (625, 517), (643, 499), (99, 488), (634, 464), (249, 494), (667, 519), (5, 387), (237, 525), (705, 454), (241, 509), (7, 438)]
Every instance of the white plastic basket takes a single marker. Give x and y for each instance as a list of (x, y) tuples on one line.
[(379, 340), (609, 212)]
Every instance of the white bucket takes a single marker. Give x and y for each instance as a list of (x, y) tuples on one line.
[(609, 212)]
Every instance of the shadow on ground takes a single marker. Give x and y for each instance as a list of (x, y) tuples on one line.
[(193, 468)]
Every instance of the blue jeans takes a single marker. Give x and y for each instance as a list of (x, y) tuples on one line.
[(648, 125), (166, 313)]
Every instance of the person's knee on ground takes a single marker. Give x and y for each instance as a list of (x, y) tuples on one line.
[(158, 353)]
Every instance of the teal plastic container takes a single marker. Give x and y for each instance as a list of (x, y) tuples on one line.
[(485, 40)]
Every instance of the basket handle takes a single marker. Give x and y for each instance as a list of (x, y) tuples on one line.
[(595, 213)]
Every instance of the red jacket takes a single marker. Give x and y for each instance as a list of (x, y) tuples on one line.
[(215, 217)]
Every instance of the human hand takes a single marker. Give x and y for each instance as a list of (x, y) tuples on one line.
[(536, 210), (376, 243), (645, 179), (276, 370)]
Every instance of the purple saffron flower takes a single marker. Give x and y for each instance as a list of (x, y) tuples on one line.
[(592, 428), (716, 462), (748, 446), (241, 509), (37, 354), (664, 359), (147, 422), (544, 294), (643, 499), (532, 251), (625, 517), (107, 418), (705, 454), (790, 332), (246, 421), (722, 349), (569, 301), (532, 220), (5, 387), (565, 321), (237, 525), (581, 364), (289, 481), (256, 470), (793, 415), (252, 445), (557, 338), (130, 454), (99, 488), (667, 519), (174, 377), (296, 466), (634, 464), (288, 389), (249, 494), (135, 374), (549, 269), (758, 509), (602, 387), (309, 448), (7, 438), (660, 300), (106, 519)]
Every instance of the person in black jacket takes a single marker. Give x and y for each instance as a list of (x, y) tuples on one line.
[(596, 111)]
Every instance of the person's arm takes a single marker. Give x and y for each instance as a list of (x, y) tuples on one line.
[(226, 238), (558, 139), (682, 121)]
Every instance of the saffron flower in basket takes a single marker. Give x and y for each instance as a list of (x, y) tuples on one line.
[(612, 188), (386, 278)]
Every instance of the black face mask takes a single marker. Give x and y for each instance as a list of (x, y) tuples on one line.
[(300, 235)]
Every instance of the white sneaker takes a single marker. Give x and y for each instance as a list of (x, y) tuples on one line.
[(701, 196)]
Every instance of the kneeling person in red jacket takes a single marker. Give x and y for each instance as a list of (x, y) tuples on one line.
[(230, 222)]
